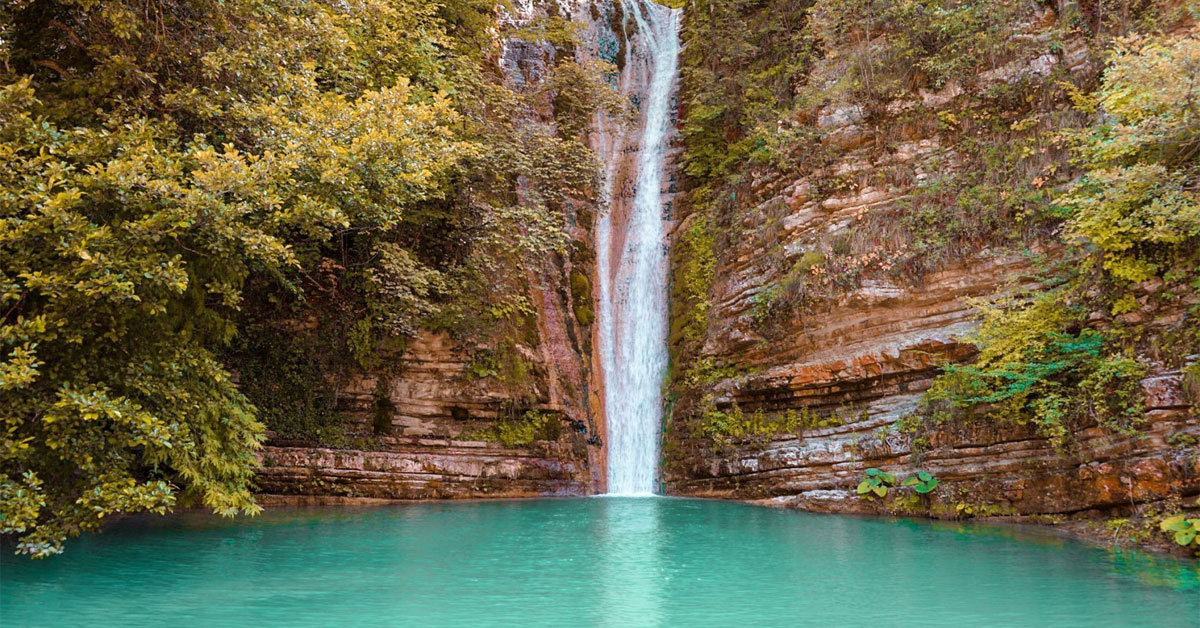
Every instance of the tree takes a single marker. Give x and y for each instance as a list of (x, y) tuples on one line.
[(181, 175), (156, 158)]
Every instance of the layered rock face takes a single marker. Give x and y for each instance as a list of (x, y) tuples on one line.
[(985, 470), (430, 423), (432, 415), (868, 352), (422, 468)]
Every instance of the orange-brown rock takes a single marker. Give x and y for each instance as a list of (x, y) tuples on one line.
[(870, 351)]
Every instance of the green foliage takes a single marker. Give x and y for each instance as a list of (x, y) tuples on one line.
[(722, 426), (763, 303), (1029, 369), (706, 370), (1184, 531), (740, 62), (922, 482), (876, 483), (283, 371), (894, 44), (579, 90), (522, 431), (581, 286), (693, 275), (964, 509), (693, 270), (155, 161), (186, 185), (585, 315), (509, 367), (1137, 205), (581, 296), (910, 503), (400, 291)]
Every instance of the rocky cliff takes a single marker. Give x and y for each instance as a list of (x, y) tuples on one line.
[(839, 273), (429, 436), (504, 412)]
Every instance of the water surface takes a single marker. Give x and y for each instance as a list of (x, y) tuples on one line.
[(621, 562)]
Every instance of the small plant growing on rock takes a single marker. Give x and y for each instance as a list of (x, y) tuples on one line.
[(1186, 531), (875, 482), (923, 482)]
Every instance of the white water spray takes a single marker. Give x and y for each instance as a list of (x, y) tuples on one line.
[(633, 287)]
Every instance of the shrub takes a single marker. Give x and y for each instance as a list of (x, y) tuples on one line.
[(1137, 205), (733, 423), (1030, 370)]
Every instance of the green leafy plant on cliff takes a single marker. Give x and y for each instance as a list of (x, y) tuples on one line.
[(581, 297), (1031, 368), (1183, 530), (741, 62), (692, 278), (733, 423), (876, 483), (967, 510), (693, 269), (923, 482), (1137, 206)]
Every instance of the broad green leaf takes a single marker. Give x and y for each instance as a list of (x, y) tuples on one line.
[(1170, 523)]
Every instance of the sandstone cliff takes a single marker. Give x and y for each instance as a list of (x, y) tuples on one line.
[(842, 278)]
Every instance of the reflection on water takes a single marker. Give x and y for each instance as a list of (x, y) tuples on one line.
[(630, 574), (1157, 571), (628, 562)]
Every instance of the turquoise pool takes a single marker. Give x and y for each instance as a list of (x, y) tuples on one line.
[(621, 562)]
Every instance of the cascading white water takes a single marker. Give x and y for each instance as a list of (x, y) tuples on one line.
[(633, 280)]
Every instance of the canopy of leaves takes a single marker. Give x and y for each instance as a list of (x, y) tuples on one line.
[(181, 174)]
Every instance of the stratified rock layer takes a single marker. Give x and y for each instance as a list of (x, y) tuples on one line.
[(983, 469), (436, 410), (422, 469), (869, 353)]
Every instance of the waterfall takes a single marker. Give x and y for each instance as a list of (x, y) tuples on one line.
[(632, 250)]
